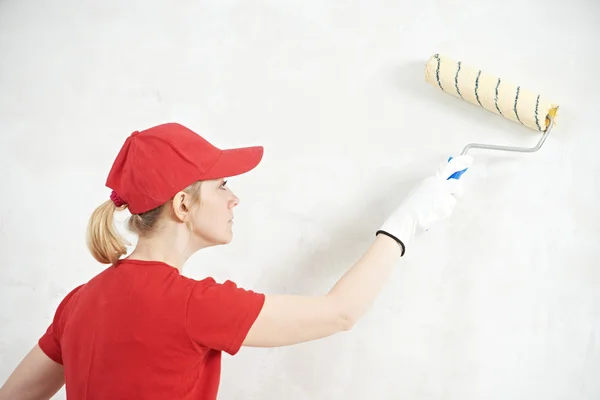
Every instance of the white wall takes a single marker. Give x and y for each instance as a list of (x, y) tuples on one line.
[(500, 302)]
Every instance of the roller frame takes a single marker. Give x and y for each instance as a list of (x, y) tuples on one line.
[(512, 148)]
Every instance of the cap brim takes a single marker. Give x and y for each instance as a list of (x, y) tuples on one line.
[(233, 162)]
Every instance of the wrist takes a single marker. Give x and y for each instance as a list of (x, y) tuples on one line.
[(401, 227), (394, 238)]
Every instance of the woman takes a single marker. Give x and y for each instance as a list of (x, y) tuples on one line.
[(139, 329)]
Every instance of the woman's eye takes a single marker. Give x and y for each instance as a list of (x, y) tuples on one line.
[(223, 184)]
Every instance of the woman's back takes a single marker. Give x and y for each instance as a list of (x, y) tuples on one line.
[(139, 329)]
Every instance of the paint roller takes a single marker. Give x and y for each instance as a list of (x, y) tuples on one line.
[(494, 94)]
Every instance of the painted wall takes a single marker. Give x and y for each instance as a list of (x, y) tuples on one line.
[(502, 301)]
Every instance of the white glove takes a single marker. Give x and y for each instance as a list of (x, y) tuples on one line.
[(429, 202)]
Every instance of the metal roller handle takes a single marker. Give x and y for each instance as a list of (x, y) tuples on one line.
[(512, 148)]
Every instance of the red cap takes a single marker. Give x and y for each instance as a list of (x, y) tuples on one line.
[(154, 164)]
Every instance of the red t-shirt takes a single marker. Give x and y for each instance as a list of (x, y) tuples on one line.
[(141, 330)]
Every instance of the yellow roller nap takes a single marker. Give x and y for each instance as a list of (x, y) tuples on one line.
[(490, 92)]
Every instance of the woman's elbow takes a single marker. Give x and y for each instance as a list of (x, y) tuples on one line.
[(347, 322), (345, 319)]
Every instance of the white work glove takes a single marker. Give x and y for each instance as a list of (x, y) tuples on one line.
[(430, 201)]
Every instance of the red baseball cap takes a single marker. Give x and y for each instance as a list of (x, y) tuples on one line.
[(156, 163)]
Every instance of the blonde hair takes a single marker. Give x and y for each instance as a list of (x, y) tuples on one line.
[(104, 241)]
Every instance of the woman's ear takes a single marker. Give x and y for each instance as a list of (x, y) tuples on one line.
[(181, 206)]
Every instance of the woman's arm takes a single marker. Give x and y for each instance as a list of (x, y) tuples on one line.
[(291, 319), (37, 377)]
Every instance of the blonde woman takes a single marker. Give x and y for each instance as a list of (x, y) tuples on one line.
[(141, 330)]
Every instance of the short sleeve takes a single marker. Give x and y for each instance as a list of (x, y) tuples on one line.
[(49, 342), (219, 316)]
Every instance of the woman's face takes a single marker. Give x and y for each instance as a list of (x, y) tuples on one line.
[(212, 219)]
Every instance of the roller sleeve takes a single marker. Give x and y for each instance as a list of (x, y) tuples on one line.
[(490, 92)]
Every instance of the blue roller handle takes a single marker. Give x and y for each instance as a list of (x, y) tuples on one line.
[(457, 174)]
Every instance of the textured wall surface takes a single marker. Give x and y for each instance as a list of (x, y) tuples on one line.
[(500, 302)]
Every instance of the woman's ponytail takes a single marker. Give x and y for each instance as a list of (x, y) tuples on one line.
[(103, 240)]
